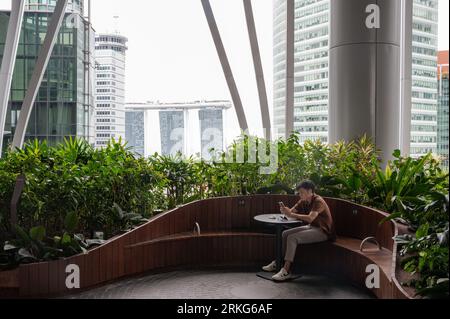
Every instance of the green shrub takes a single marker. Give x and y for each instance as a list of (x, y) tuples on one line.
[(110, 190)]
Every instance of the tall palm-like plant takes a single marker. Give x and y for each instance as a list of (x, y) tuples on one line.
[(406, 186)]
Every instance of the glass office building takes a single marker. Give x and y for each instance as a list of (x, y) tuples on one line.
[(63, 105), (443, 109), (424, 78), (75, 6), (312, 66), (310, 69)]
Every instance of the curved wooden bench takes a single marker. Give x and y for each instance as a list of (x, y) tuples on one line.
[(229, 236)]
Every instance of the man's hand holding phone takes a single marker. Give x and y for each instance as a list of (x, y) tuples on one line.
[(284, 210)]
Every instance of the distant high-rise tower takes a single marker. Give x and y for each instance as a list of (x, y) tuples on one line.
[(64, 103), (443, 109), (424, 78), (109, 117), (311, 67)]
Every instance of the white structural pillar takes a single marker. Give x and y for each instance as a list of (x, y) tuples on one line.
[(38, 73), (225, 65), (290, 60), (257, 63), (406, 74), (8, 61), (365, 77)]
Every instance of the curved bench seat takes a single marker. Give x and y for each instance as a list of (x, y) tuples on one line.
[(229, 236), (191, 235)]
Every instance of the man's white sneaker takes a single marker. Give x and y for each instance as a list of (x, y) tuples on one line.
[(270, 267), (282, 275)]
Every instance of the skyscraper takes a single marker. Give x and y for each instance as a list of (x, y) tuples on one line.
[(424, 78), (63, 106), (443, 109), (312, 65), (311, 68), (109, 88)]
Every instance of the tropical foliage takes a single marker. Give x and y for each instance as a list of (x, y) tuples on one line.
[(74, 191)]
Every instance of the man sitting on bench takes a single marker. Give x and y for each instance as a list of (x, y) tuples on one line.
[(312, 209)]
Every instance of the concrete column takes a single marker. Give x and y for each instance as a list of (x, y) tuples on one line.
[(8, 60), (38, 73), (290, 61), (406, 73), (365, 73)]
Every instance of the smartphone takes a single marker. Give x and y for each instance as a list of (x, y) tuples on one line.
[(281, 204)]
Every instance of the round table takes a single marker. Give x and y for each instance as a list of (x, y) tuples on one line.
[(278, 222)]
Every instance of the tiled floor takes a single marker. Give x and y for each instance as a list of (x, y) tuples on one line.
[(220, 284)]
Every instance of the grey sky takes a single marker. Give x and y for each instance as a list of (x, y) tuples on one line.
[(171, 55)]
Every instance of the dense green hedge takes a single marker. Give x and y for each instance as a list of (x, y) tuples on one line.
[(73, 191)]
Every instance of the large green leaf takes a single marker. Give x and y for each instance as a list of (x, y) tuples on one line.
[(22, 234), (423, 230), (71, 222), (37, 233)]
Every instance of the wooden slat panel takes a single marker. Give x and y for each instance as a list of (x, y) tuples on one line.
[(222, 209), (208, 211), (53, 278), (179, 225), (229, 214), (61, 274), (217, 218), (43, 284), (9, 279), (151, 255), (216, 251), (108, 267), (168, 254), (102, 263), (115, 259), (236, 249), (235, 207), (24, 280), (171, 221), (141, 234), (139, 259), (128, 262), (160, 255), (157, 228), (95, 266), (34, 279)]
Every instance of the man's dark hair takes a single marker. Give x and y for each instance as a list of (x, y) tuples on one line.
[(307, 184)]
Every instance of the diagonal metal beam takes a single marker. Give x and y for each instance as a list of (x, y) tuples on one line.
[(264, 105), (225, 65), (9, 60), (290, 26), (38, 73)]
